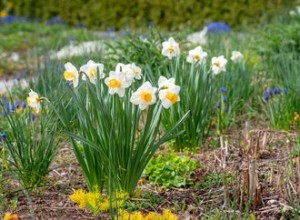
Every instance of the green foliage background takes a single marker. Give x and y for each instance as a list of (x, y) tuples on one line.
[(168, 14)]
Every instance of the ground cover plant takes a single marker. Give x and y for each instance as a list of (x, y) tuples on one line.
[(152, 125)]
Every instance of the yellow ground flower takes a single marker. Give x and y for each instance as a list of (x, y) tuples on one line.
[(104, 205), (93, 199), (10, 216), (79, 196), (152, 216), (168, 215)]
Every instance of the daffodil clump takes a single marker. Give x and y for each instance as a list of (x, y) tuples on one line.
[(200, 78), (119, 119), (166, 215), (97, 202), (28, 140)]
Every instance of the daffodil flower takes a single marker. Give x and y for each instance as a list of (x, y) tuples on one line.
[(137, 72), (169, 96), (71, 74), (91, 69), (116, 83), (196, 56), (237, 56), (126, 71), (164, 83), (144, 96), (218, 64), (170, 48), (34, 101)]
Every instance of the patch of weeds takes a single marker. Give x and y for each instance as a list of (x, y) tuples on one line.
[(179, 206), (148, 201), (215, 179), (295, 151), (171, 170)]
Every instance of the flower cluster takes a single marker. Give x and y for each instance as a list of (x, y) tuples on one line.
[(13, 107), (95, 201), (166, 215), (121, 78), (90, 70), (218, 27), (198, 56), (268, 93)]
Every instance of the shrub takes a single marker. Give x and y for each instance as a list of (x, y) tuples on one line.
[(114, 13)]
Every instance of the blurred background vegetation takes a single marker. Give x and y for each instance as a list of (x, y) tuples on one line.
[(167, 14)]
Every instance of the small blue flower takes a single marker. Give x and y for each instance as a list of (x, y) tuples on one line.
[(276, 91), (266, 95), (270, 91), (224, 99), (143, 37), (12, 18), (285, 91), (218, 27), (218, 105), (226, 109), (72, 39), (151, 24), (17, 104), (18, 78), (24, 104), (3, 135), (33, 117), (7, 106), (223, 90), (55, 20), (13, 108)]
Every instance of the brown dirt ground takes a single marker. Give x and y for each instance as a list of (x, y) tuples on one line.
[(274, 186)]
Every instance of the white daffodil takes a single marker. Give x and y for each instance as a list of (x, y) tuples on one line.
[(170, 48), (137, 72), (126, 70), (196, 56), (116, 83), (237, 56), (164, 83), (71, 74), (144, 96), (91, 70), (169, 96), (198, 37), (218, 64), (34, 101)]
